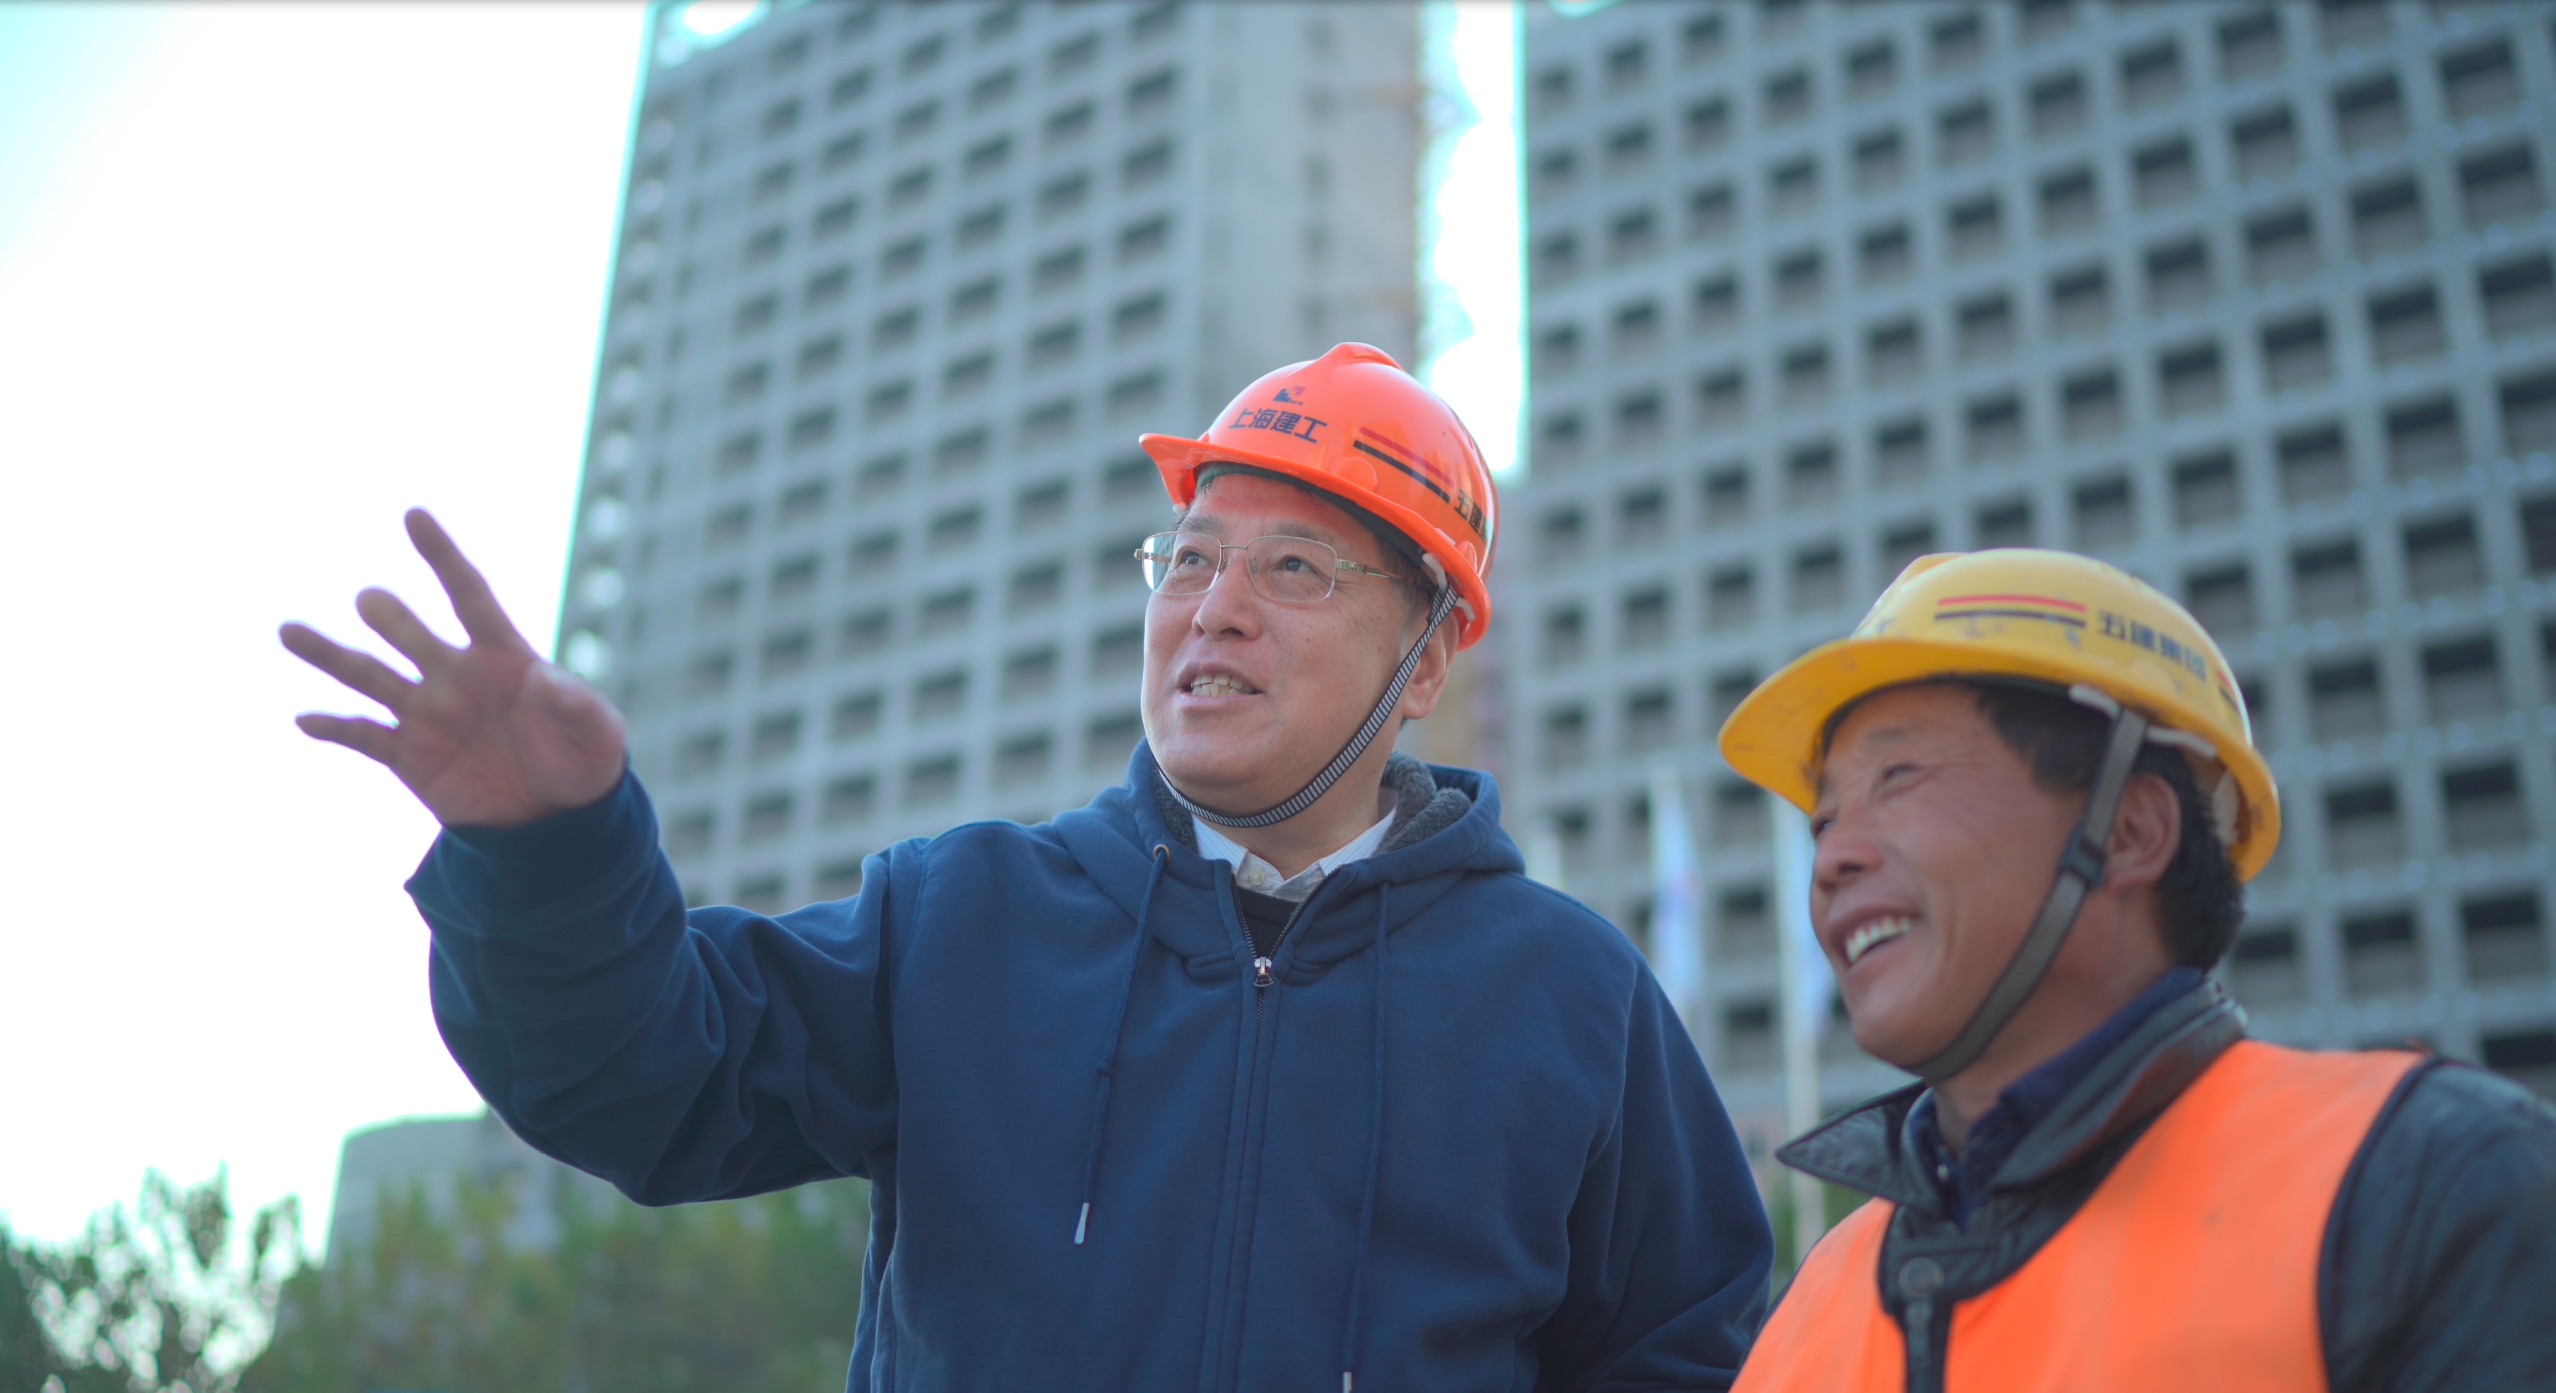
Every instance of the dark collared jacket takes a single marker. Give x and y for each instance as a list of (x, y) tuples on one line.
[(2439, 1263)]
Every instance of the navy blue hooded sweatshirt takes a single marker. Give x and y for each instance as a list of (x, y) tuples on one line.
[(1458, 1141)]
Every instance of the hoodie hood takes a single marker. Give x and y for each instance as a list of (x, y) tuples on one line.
[(1422, 807), (1428, 852)]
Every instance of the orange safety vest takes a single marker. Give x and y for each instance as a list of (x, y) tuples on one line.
[(2191, 1267)]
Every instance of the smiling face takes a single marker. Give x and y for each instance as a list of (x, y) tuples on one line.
[(1246, 698), (1936, 849)]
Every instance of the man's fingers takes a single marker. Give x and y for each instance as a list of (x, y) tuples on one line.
[(388, 615), (371, 739), (473, 602), (352, 666)]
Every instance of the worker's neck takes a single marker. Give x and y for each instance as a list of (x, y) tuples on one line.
[(1334, 821), (2096, 975)]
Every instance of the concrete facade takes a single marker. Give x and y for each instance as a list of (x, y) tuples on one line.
[(898, 286), (2252, 300)]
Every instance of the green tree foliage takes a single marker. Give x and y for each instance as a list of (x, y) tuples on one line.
[(168, 1296), (748, 1295), (171, 1296), (26, 1355)]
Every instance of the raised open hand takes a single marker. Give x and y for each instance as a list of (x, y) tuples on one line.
[(489, 735)]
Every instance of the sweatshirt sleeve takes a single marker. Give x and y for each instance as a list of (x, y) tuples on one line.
[(1670, 1247), (2441, 1253), (681, 1056)]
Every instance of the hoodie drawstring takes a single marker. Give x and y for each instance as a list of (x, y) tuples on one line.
[(1375, 1158), (1109, 1060)]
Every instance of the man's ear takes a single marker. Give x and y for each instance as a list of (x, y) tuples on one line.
[(2145, 833), (1429, 680)]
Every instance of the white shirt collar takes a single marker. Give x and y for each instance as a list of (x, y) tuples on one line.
[(1259, 877)]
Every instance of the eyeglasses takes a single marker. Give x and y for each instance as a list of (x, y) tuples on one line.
[(1290, 570)]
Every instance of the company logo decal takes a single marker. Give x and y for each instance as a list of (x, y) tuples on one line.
[(1293, 423), (2049, 609), (2139, 635)]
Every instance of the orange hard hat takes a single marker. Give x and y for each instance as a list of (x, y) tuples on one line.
[(1354, 425)]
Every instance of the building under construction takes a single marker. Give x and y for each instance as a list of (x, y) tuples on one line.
[(2253, 300)]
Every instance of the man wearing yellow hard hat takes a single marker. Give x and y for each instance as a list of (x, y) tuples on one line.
[(2036, 798)]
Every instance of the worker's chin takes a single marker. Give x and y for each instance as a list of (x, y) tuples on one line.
[(1885, 1041), (1230, 773), (1900, 1018)]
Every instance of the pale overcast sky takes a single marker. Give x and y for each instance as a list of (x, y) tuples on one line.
[(269, 275)]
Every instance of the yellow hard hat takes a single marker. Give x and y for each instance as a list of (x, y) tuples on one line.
[(2021, 613)]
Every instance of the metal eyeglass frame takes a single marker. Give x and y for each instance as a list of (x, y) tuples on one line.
[(1145, 553)]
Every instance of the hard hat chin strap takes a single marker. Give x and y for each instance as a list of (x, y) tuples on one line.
[(2080, 871), (1443, 603)]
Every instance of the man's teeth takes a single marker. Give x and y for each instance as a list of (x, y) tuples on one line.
[(1220, 686), (1861, 941)]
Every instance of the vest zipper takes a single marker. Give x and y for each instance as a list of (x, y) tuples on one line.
[(1927, 1333)]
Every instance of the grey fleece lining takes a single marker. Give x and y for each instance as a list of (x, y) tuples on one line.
[(1421, 809)]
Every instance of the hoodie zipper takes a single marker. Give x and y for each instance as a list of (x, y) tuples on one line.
[(1263, 977), (1261, 980)]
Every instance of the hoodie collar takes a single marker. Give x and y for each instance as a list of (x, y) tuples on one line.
[(1254, 873), (1459, 831), (1868, 1147), (1422, 806)]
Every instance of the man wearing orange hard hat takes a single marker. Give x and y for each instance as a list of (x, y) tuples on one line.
[(2035, 798), (1267, 1070)]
